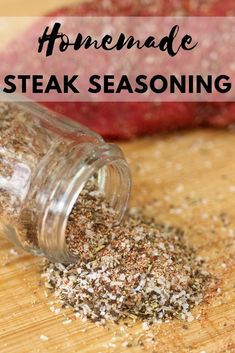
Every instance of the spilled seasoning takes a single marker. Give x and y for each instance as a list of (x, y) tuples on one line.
[(138, 269)]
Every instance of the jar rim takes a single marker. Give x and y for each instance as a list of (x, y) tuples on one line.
[(105, 159)]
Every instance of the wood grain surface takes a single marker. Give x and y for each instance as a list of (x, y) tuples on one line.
[(186, 179)]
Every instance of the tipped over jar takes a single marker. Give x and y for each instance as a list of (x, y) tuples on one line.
[(45, 161)]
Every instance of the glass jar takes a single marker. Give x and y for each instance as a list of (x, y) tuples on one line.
[(45, 161)]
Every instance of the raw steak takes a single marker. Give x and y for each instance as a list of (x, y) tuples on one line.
[(126, 120)]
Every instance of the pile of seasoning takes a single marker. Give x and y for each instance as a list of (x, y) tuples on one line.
[(138, 269)]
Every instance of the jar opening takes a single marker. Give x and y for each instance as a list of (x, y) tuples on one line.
[(113, 180)]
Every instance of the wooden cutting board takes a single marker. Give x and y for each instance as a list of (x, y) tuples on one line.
[(186, 179)]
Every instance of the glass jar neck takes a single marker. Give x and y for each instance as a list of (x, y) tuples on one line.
[(61, 180)]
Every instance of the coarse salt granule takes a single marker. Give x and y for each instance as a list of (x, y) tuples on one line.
[(44, 338)]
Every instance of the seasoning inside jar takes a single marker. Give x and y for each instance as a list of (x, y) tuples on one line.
[(45, 161)]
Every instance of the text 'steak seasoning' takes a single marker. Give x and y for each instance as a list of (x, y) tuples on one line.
[(137, 269)]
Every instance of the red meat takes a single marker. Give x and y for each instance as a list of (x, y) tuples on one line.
[(125, 120)]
